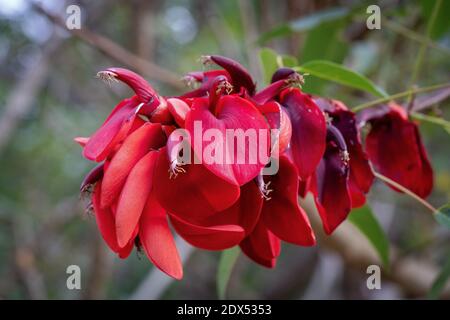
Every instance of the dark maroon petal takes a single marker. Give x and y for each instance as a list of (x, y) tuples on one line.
[(92, 177), (395, 148), (282, 74), (240, 77), (330, 187)]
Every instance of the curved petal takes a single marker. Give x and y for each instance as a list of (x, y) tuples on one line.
[(240, 77), (134, 196), (237, 158), (198, 192), (139, 85), (308, 130), (157, 239), (104, 219), (215, 237), (396, 150), (92, 177), (113, 130), (282, 213), (262, 246), (361, 176), (330, 188), (135, 146), (245, 212)]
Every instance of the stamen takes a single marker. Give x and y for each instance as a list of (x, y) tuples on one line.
[(190, 81), (224, 86), (328, 118), (345, 157), (205, 60), (295, 80), (107, 76), (175, 169), (264, 187)]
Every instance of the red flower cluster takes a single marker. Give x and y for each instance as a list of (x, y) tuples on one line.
[(141, 184)]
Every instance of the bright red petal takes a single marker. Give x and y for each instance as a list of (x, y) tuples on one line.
[(135, 146), (157, 239), (134, 196), (262, 246), (282, 214), (105, 219), (194, 194), (308, 130), (112, 131), (238, 163), (214, 237)]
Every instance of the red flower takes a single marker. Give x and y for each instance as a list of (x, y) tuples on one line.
[(395, 148), (150, 181)]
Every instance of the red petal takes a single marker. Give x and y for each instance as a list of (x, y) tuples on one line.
[(233, 113), (135, 146), (105, 219), (282, 214), (158, 241), (113, 130), (396, 150), (245, 212), (179, 109), (308, 130), (198, 192), (262, 246), (215, 237), (82, 141), (134, 196), (139, 85)]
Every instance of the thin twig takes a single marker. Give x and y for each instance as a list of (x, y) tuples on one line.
[(399, 96), (117, 52)]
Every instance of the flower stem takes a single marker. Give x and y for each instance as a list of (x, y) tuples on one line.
[(423, 47), (399, 95), (405, 190)]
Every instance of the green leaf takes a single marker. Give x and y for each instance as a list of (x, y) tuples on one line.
[(442, 215), (305, 23), (289, 61), (442, 22), (440, 281), (367, 223), (227, 261), (269, 64), (324, 42), (338, 73), (271, 61)]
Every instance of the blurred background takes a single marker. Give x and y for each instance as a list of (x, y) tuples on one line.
[(49, 94)]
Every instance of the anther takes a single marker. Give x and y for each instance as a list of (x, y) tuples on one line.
[(175, 169), (107, 76), (264, 188)]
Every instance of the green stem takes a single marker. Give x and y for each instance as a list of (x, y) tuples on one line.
[(423, 47), (427, 118), (399, 96), (405, 190), (398, 28)]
